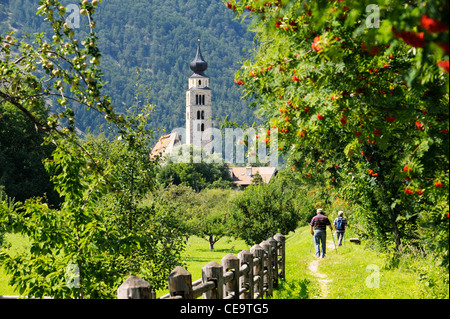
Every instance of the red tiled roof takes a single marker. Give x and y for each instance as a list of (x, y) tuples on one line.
[(163, 143), (241, 177)]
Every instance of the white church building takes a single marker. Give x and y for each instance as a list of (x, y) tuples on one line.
[(198, 131), (198, 113)]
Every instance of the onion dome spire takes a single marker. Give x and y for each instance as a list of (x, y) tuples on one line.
[(198, 65)]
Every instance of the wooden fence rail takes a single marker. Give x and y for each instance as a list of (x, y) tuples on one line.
[(250, 275)]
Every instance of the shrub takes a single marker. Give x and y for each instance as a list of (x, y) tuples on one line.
[(264, 210)]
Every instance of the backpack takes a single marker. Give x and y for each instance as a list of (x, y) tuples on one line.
[(340, 224)]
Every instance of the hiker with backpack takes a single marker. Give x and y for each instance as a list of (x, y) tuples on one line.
[(318, 227), (340, 224)]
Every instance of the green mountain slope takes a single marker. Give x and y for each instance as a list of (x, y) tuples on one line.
[(159, 38)]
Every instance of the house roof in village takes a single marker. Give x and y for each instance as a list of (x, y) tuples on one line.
[(244, 175)]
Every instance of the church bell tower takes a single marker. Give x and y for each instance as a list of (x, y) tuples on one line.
[(198, 105)]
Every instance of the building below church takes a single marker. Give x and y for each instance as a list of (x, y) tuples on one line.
[(243, 176)]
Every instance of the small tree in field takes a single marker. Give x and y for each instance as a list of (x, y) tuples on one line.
[(257, 179), (211, 219), (264, 210), (205, 214)]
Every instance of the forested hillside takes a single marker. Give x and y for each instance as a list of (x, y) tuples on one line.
[(159, 38)]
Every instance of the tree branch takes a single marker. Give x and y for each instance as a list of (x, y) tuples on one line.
[(14, 102)]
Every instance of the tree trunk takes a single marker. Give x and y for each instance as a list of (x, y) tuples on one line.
[(211, 243), (395, 231)]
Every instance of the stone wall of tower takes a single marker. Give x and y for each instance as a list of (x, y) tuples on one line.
[(199, 112)]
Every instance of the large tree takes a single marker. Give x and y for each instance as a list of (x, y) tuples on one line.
[(359, 93), (100, 234)]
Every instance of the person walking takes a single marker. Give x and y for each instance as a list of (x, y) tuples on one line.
[(318, 227), (340, 224)]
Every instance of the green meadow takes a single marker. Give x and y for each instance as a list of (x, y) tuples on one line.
[(18, 244), (355, 272), (348, 272)]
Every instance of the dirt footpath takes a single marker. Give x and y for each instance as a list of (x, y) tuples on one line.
[(322, 278)]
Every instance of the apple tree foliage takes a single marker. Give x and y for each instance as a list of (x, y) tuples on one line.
[(358, 91), (100, 234), (263, 210)]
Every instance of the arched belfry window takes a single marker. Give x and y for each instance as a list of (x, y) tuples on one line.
[(199, 99), (199, 82), (203, 127), (198, 115), (203, 115)]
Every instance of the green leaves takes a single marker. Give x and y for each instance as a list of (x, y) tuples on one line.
[(363, 100), (264, 209), (99, 229)]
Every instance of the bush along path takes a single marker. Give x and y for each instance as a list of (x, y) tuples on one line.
[(356, 272)]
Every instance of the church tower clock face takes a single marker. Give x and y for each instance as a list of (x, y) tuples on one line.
[(198, 105)]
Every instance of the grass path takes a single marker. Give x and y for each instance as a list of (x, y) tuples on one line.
[(322, 279), (348, 272)]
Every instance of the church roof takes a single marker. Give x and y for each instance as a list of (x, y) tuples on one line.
[(199, 89), (165, 145), (198, 65), (195, 75)]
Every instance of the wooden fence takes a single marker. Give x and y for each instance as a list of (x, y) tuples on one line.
[(250, 275)]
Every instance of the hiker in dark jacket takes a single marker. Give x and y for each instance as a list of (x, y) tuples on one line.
[(319, 225), (340, 224)]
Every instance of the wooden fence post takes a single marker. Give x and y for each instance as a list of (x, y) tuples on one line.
[(274, 265), (246, 258), (231, 263), (251, 273), (267, 267), (213, 272), (135, 288), (258, 270), (282, 253), (180, 283)]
